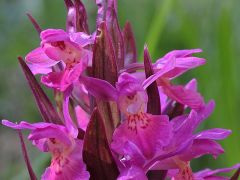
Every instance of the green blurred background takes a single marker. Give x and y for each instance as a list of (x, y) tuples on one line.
[(164, 25)]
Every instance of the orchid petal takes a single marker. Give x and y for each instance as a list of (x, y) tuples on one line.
[(147, 134), (133, 173), (82, 117), (38, 61), (82, 39), (73, 169), (208, 172), (184, 96), (68, 120), (62, 80), (202, 147), (99, 88), (215, 134), (41, 130), (184, 62), (181, 53), (53, 35)]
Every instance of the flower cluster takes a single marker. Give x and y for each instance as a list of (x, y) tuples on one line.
[(115, 118)]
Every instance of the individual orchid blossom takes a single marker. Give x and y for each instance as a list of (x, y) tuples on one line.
[(137, 124), (66, 150), (68, 50), (170, 66), (183, 147)]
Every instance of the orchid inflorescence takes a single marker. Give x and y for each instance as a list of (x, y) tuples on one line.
[(115, 117)]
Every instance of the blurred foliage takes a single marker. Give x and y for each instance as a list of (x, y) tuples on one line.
[(164, 25)]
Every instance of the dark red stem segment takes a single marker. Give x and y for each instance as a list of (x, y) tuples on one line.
[(156, 175), (34, 22), (26, 159), (236, 175), (76, 16), (96, 152), (154, 105), (105, 67), (47, 110), (130, 50)]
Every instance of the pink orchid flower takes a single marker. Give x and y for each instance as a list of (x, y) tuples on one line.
[(67, 50), (170, 66), (66, 150), (137, 124)]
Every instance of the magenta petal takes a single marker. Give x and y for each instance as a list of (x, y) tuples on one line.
[(26, 125), (82, 39), (41, 130), (208, 172), (184, 96), (192, 85), (62, 80), (99, 88), (184, 62), (38, 57), (134, 173), (72, 167), (182, 53), (183, 65), (39, 62), (132, 155), (67, 118), (53, 35), (82, 117), (128, 84), (54, 80), (50, 132), (215, 134), (147, 133), (202, 147)]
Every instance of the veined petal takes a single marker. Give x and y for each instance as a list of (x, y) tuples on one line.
[(71, 167), (133, 172), (184, 96), (215, 134), (82, 118), (147, 132), (68, 120), (202, 147), (132, 155), (82, 39), (53, 35), (99, 88), (209, 173), (41, 130), (128, 84), (62, 80), (192, 85), (181, 53), (184, 62), (39, 62)]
